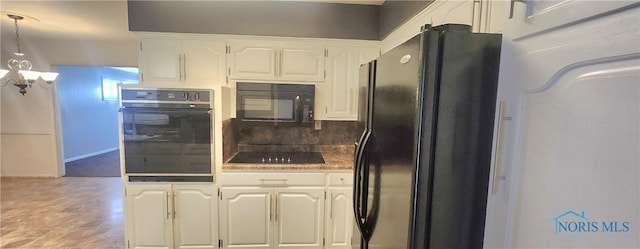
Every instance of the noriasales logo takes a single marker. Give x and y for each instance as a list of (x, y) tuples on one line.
[(574, 222)]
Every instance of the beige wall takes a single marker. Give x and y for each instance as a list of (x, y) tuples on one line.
[(28, 128)]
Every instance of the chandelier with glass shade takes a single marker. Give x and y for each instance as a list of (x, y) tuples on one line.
[(21, 67)]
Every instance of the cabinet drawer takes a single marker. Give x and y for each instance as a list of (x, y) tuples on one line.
[(272, 179), (340, 179)]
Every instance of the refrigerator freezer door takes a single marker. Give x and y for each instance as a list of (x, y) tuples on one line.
[(463, 134), (390, 163), (365, 91)]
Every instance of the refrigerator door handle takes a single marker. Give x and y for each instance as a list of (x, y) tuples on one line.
[(356, 177), (358, 188), (356, 173)]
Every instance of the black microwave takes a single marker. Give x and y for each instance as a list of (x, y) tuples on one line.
[(275, 102)]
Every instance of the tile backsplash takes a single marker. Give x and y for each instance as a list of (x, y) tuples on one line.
[(337, 136)]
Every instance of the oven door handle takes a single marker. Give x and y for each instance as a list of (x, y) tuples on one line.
[(165, 110)]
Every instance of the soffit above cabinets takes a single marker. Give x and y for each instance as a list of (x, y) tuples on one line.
[(301, 19)]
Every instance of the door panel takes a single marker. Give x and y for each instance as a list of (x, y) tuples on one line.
[(302, 62), (160, 60), (571, 146), (149, 214), (246, 218), (205, 62), (341, 99), (582, 134), (339, 217), (196, 221), (299, 218), (252, 60)]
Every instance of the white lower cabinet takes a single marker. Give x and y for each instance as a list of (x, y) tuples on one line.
[(181, 216), (339, 218), (299, 216), (245, 217), (262, 217)]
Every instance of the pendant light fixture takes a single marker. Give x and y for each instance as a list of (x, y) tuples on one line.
[(21, 67)]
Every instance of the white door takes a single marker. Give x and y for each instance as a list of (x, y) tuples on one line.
[(302, 62), (252, 60), (299, 217), (570, 82), (149, 216), (246, 217), (204, 62), (161, 61), (195, 216), (341, 85), (339, 218)]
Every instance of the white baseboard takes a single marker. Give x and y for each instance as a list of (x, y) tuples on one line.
[(66, 160)]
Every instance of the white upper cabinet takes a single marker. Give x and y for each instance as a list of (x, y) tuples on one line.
[(261, 60), (365, 55), (302, 62), (160, 61), (204, 61), (338, 95), (252, 60), (341, 86), (177, 62)]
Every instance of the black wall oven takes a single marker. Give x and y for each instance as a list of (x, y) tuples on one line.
[(275, 102), (167, 134)]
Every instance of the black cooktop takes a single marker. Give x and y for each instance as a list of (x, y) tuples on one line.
[(278, 157)]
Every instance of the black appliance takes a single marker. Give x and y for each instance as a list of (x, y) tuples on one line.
[(278, 157), (275, 102), (167, 132), (422, 163)]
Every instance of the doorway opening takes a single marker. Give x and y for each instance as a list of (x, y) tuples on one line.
[(87, 99)]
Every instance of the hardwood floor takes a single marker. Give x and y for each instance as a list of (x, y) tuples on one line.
[(68, 212), (107, 164)]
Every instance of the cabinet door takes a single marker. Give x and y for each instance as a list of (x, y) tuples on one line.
[(365, 55), (301, 62), (204, 62), (569, 85), (149, 216), (252, 60), (299, 218), (246, 217), (160, 61), (195, 216), (339, 218), (341, 86)]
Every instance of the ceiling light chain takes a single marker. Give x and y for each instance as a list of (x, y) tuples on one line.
[(15, 21), (22, 67)]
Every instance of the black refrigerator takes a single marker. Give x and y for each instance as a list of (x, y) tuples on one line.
[(422, 162)]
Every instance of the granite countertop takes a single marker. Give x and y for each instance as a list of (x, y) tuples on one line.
[(333, 161)]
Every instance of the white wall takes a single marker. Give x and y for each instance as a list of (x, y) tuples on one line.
[(28, 125), (89, 123)]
